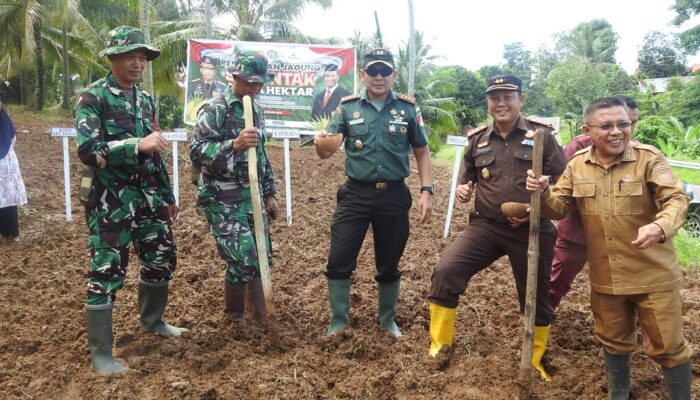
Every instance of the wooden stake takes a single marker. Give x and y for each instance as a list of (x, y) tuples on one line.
[(533, 257), (256, 198)]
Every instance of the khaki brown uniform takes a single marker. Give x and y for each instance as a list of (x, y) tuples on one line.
[(498, 167), (627, 283)]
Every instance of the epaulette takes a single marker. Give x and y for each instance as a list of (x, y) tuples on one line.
[(406, 98), (196, 80), (345, 99), (477, 130), (642, 146), (582, 151), (537, 122)]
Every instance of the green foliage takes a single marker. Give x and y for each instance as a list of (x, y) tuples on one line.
[(686, 9), (682, 142), (591, 42), (691, 102), (572, 85), (660, 56), (687, 250), (651, 129), (170, 112), (468, 91), (688, 175)]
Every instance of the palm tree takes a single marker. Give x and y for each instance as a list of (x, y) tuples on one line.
[(271, 17), (592, 42)]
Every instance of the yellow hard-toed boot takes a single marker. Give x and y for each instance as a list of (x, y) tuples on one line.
[(538, 348), (442, 327)]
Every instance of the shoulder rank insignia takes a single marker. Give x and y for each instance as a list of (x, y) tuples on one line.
[(406, 98), (349, 98), (538, 122), (476, 130)]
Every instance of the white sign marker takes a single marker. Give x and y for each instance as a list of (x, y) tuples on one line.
[(461, 142), (65, 133), (179, 135), (287, 134)]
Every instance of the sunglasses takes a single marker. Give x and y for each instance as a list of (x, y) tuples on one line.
[(383, 70), (609, 126)]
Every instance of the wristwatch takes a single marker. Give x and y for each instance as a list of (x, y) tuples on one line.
[(428, 189)]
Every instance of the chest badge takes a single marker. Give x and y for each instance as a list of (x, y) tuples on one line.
[(403, 113), (529, 134), (356, 114), (392, 128), (393, 112), (358, 144), (485, 174), (403, 129)]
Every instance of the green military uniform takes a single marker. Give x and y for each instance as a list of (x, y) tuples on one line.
[(224, 188), (129, 189), (127, 199), (377, 144), (378, 135)]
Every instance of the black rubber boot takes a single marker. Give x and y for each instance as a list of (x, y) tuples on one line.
[(152, 300), (617, 372), (99, 332), (339, 297), (234, 302), (678, 381)]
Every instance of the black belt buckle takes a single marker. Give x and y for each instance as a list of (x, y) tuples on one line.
[(381, 185)]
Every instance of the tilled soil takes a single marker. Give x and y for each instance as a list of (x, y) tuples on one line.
[(43, 345)]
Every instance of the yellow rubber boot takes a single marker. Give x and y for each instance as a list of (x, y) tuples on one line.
[(442, 327), (538, 348)]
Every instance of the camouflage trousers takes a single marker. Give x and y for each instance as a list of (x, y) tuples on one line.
[(112, 230), (234, 233)]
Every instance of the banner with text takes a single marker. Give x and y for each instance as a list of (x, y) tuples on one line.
[(296, 100)]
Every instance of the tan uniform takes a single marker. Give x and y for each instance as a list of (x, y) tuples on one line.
[(639, 188)]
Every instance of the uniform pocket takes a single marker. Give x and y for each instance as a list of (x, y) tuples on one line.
[(628, 198), (584, 193)]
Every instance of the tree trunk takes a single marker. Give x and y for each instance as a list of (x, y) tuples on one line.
[(39, 84), (66, 68)]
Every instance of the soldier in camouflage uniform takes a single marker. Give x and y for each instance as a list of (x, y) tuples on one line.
[(219, 144), (129, 197)]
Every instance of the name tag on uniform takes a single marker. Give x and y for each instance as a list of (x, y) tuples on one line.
[(528, 142), (356, 121)]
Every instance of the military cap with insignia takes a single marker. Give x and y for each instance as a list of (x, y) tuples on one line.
[(206, 62), (504, 82), (375, 56)]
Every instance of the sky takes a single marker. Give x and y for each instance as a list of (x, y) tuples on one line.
[(472, 34)]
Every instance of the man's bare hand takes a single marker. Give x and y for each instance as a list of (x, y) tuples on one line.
[(271, 207), (464, 192), (425, 203), (648, 235), (172, 211), (533, 183), (248, 138), (153, 143)]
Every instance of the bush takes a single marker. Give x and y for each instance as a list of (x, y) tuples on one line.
[(651, 128)]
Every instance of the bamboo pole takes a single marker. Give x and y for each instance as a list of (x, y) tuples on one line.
[(533, 257), (256, 198)]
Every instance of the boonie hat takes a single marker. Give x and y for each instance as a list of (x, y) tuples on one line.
[(124, 39), (375, 56), (251, 66), (504, 82)]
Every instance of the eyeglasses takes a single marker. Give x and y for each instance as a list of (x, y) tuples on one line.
[(383, 70), (609, 126)]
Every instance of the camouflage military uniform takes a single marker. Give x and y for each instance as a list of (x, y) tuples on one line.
[(224, 188), (130, 189)]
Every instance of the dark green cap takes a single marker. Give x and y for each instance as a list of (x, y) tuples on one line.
[(124, 39), (251, 66)]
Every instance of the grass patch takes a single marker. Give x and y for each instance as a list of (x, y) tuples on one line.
[(687, 250), (688, 175)]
